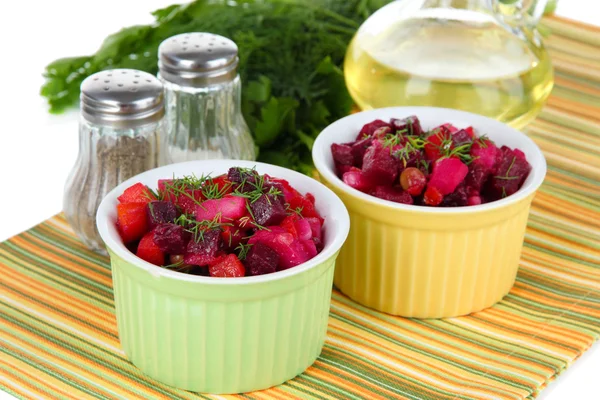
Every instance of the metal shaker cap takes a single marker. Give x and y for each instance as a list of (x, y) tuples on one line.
[(122, 98), (198, 59)]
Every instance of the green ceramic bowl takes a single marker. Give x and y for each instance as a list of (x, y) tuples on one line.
[(223, 335)]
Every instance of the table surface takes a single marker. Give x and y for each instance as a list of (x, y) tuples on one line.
[(37, 150)]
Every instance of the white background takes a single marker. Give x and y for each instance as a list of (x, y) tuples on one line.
[(37, 150)]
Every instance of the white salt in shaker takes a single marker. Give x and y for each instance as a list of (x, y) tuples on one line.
[(203, 98)]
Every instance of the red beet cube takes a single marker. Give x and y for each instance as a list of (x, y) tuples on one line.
[(458, 198), (447, 174), (161, 212), (268, 210), (171, 238), (359, 148), (342, 169), (355, 179), (380, 167), (342, 154), (228, 266), (461, 137), (476, 179), (510, 174), (148, 250), (228, 208), (370, 128), (484, 153), (132, 221), (394, 194), (203, 251), (138, 193), (260, 260), (411, 124)]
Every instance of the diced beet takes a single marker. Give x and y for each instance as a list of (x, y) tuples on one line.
[(355, 179), (509, 176), (448, 127), (447, 174), (310, 248), (411, 124), (520, 154), (228, 208), (359, 148), (316, 228), (171, 238), (148, 251), (461, 137), (394, 194), (288, 191), (161, 212), (382, 132), (370, 128), (476, 178), (341, 169), (132, 221), (290, 250), (380, 167), (303, 229), (260, 260), (228, 266), (484, 153), (458, 198), (268, 210), (474, 200), (238, 175), (342, 154), (204, 250), (138, 193)]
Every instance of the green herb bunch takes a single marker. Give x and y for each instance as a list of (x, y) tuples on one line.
[(291, 52)]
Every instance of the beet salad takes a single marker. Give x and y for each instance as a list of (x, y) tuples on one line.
[(239, 224), (401, 162)]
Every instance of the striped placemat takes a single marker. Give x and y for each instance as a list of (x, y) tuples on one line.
[(59, 338)]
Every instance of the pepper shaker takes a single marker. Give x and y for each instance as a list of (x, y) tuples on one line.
[(203, 98), (121, 134)]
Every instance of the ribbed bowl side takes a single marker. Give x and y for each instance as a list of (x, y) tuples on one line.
[(221, 346), (415, 270)]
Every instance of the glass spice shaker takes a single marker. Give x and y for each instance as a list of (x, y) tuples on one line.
[(121, 134), (203, 98)]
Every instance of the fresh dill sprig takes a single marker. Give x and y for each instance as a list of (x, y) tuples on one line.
[(506, 176), (198, 228), (243, 250), (298, 210), (212, 190)]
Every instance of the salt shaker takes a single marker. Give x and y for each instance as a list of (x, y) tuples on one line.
[(121, 134), (203, 98)]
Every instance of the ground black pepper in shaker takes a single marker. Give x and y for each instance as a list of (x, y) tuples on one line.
[(121, 134)]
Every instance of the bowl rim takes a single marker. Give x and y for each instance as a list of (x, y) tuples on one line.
[(538, 171), (339, 216)]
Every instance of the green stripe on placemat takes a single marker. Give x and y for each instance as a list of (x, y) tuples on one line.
[(58, 329)]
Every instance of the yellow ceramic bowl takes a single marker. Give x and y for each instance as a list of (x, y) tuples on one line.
[(425, 262)]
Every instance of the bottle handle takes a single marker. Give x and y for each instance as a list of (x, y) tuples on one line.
[(520, 12)]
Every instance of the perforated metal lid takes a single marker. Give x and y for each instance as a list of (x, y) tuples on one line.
[(198, 59), (123, 98)]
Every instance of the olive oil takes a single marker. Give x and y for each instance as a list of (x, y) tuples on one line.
[(474, 66)]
